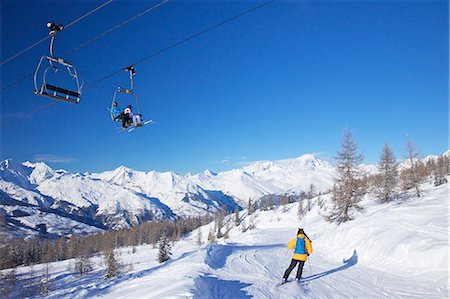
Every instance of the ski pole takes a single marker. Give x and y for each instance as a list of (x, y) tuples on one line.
[(310, 269)]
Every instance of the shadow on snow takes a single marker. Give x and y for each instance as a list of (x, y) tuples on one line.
[(353, 260), (212, 287), (102, 288)]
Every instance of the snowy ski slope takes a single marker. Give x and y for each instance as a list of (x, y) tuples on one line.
[(395, 250)]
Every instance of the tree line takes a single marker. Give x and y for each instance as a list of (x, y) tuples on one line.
[(18, 252), (391, 181)]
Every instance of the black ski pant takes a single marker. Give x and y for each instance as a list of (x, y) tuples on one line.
[(292, 266), (125, 119)]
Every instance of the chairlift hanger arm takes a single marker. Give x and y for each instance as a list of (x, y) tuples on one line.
[(53, 30)]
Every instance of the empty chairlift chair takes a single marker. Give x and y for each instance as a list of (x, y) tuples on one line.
[(55, 64)]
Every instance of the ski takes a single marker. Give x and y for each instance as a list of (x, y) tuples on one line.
[(132, 128), (301, 282)]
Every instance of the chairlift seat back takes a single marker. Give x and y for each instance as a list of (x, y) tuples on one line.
[(126, 90)]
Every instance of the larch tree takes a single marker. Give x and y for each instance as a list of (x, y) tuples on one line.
[(112, 264), (386, 185), (349, 186), (310, 195), (411, 177), (440, 172)]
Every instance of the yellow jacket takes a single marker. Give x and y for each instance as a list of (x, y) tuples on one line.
[(308, 248)]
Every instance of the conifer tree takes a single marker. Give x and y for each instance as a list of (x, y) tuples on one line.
[(411, 177), (199, 237), (83, 265), (386, 185), (250, 207), (284, 202), (301, 210), (440, 172), (112, 264), (164, 249), (45, 281), (219, 221), (349, 188), (237, 219)]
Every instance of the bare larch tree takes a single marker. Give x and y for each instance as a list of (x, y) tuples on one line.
[(387, 182), (349, 186)]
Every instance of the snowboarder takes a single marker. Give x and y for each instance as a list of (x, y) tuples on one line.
[(302, 249)]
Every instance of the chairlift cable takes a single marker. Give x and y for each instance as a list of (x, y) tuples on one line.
[(92, 40), (47, 37), (161, 51), (115, 27), (184, 40), (87, 14)]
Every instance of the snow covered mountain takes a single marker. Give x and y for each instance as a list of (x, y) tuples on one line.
[(250, 182), (183, 196), (124, 197), (89, 201), (270, 177)]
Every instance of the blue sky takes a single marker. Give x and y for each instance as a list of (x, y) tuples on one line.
[(285, 80)]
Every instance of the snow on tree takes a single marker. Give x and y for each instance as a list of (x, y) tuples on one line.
[(387, 180), (349, 186), (164, 249)]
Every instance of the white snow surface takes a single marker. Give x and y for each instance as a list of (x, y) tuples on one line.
[(393, 250)]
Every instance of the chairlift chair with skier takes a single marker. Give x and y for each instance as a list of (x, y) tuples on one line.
[(129, 119)]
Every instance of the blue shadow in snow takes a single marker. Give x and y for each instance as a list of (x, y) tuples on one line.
[(102, 286), (217, 254), (212, 287), (353, 260)]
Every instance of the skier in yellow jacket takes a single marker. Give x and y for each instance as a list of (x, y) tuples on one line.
[(302, 249)]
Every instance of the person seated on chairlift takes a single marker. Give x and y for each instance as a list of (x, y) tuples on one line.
[(119, 115), (115, 111), (128, 112)]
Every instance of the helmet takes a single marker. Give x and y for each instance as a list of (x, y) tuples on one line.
[(114, 103)]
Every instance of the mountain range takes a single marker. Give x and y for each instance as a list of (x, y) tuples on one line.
[(36, 199)]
